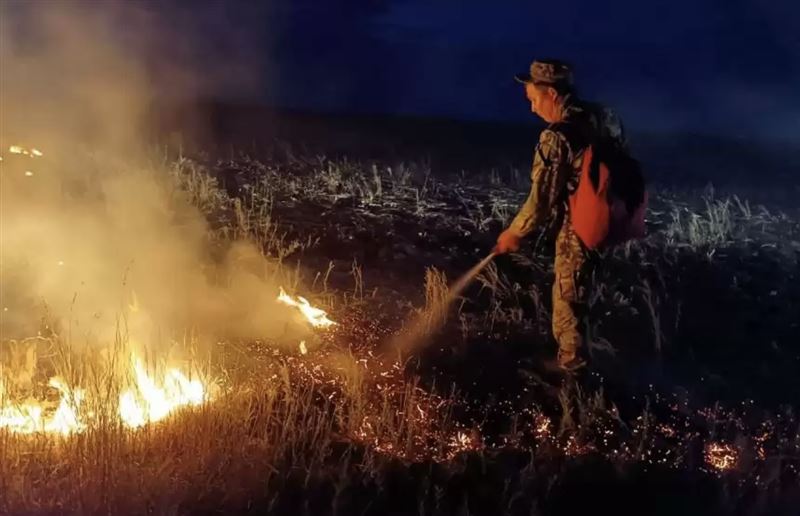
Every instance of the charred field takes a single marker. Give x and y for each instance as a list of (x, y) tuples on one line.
[(690, 403)]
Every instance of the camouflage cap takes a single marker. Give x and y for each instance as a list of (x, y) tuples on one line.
[(547, 71)]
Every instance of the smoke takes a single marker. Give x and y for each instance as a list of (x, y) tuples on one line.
[(95, 236)]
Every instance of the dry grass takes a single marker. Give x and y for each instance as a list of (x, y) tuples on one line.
[(436, 299), (279, 438), (270, 422)]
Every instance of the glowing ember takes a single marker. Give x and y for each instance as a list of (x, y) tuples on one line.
[(463, 441), (18, 149), (721, 456), (315, 316), (542, 427), (147, 401), (303, 349)]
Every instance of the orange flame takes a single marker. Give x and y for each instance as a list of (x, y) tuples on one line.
[(18, 149), (147, 401), (315, 316)]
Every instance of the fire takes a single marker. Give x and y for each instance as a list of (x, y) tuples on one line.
[(315, 316), (721, 456), (18, 149), (22, 417), (542, 427), (27, 417), (146, 401), (65, 420)]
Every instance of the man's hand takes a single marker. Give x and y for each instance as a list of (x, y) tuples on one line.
[(507, 242)]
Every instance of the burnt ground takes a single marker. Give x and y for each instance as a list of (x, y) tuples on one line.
[(688, 305), (694, 333)]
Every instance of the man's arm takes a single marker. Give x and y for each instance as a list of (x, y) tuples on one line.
[(548, 180)]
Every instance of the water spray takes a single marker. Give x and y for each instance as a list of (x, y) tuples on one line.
[(467, 278), (412, 338)]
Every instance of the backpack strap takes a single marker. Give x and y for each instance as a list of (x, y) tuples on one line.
[(580, 136), (577, 137)]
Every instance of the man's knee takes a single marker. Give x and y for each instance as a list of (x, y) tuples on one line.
[(566, 306), (566, 287), (564, 314)]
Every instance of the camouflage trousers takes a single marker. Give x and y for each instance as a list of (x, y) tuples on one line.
[(568, 293)]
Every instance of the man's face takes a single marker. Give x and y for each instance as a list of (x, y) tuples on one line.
[(543, 101)]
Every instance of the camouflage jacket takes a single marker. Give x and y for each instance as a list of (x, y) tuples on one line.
[(558, 158)]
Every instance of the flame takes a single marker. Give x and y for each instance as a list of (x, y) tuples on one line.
[(146, 401), (315, 316), (27, 417), (18, 149), (65, 420), (21, 417)]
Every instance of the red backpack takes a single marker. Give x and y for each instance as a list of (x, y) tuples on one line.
[(610, 201)]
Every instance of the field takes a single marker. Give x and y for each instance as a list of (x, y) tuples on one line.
[(690, 404)]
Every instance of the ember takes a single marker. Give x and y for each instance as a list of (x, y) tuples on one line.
[(721, 456), (17, 149)]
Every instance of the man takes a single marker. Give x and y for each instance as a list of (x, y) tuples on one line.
[(573, 125)]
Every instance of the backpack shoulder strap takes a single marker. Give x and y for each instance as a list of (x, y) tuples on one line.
[(577, 137)]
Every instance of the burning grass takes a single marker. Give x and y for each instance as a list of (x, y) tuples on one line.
[(149, 399)]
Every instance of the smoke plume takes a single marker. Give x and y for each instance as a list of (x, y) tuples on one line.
[(94, 234)]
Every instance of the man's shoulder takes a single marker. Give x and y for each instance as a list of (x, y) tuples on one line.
[(552, 134), (552, 142), (575, 131)]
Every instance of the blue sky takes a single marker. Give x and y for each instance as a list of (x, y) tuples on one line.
[(726, 67), (722, 67)]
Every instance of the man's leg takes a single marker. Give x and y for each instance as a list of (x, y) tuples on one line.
[(570, 258)]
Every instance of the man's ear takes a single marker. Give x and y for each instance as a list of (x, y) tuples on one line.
[(552, 93)]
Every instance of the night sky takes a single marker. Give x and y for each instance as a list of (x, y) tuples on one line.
[(725, 67), (729, 67)]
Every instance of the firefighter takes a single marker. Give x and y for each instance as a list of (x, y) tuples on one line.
[(557, 159)]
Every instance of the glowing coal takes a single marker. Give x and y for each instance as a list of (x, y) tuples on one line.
[(721, 456)]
